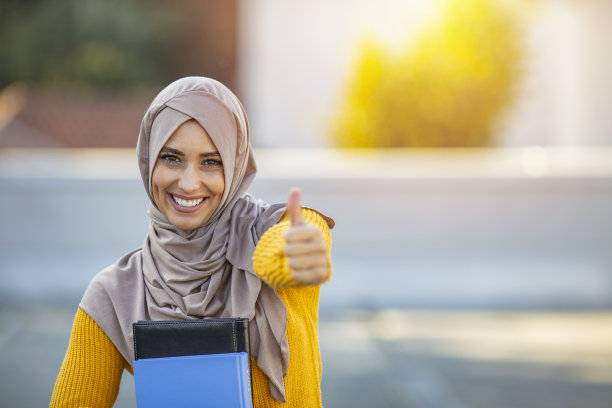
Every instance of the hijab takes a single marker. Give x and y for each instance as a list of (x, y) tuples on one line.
[(207, 272)]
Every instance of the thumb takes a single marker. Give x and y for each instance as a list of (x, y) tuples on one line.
[(294, 209)]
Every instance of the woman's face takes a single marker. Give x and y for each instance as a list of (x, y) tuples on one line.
[(188, 180)]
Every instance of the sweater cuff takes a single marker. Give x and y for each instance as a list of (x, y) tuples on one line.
[(269, 261)]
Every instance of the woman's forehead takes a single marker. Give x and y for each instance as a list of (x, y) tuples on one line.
[(191, 137)]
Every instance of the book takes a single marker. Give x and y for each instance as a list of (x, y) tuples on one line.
[(211, 380), (192, 363)]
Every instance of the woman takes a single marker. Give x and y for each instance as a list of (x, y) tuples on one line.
[(211, 251)]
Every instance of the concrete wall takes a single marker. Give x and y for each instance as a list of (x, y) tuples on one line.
[(422, 230)]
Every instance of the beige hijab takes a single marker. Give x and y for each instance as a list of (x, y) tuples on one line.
[(207, 272)]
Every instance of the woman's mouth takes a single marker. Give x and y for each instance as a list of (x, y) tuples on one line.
[(186, 204)]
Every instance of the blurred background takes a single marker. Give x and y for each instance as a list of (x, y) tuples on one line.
[(464, 148)]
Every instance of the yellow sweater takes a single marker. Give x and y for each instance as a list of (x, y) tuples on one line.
[(92, 369)]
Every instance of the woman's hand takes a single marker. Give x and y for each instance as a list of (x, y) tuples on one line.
[(304, 246)]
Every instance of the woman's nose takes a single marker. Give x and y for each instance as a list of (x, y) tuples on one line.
[(189, 180)]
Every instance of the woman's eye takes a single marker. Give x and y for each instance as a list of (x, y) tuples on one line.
[(212, 163), (170, 158)]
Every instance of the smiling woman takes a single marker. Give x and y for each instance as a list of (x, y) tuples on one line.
[(212, 251), (187, 178)]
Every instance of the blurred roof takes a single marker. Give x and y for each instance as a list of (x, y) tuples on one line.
[(31, 117)]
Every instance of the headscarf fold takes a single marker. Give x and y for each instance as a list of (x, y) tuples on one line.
[(207, 272)]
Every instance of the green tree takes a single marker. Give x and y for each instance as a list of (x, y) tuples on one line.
[(446, 90), (102, 44)]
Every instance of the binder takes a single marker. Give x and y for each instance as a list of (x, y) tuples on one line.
[(192, 363)]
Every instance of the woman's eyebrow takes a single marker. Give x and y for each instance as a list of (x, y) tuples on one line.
[(167, 149), (171, 150), (210, 154)]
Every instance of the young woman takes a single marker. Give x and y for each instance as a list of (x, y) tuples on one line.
[(211, 251)]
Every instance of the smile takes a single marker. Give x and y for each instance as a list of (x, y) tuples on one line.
[(186, 203)]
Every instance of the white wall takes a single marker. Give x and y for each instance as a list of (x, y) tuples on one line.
[(567, 92)]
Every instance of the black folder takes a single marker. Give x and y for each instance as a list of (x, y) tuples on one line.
[(170, 338)]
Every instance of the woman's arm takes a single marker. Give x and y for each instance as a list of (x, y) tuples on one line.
[(91, 372), (273, 266)]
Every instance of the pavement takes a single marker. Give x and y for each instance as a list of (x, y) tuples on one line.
[(467, 359), (386, 358)]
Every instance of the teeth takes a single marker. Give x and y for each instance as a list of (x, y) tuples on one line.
[(187, 203)]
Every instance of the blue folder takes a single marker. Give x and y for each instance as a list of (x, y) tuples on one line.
[(211, 381)]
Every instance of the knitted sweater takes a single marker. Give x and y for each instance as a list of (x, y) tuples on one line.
[(92, 369)]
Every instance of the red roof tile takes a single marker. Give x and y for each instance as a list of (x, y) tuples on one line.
[(56, 118)]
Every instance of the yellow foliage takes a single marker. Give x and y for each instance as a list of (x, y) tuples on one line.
[(446, 90)]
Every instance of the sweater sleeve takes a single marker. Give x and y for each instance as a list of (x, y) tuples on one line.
[(269, 262), (92, 369)]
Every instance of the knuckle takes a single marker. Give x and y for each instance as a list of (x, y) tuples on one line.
[(289, 250), (289, 234), (295, 263)]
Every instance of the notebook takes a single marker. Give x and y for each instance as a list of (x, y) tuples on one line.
[(192, 363)]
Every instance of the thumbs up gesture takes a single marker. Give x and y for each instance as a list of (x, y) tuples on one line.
[(305, 248)]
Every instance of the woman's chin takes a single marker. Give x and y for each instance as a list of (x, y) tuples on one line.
[(187, 222)]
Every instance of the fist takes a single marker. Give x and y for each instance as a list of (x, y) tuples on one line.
[(305, 248)]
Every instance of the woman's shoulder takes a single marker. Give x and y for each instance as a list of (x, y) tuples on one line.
[(273, 213), (118, 275), (318, 217), (252, 213), (124, 265)]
